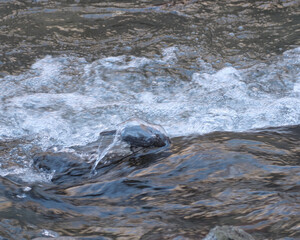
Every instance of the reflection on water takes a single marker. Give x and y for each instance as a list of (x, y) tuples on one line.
[(72, 69), (222, 31), (247, 179)]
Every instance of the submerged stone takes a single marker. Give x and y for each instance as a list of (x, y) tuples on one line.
[(59, 162), (228, 233), (142, 134), (133, 139), (64, 166)]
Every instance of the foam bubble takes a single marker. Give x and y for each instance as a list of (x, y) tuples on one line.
[(26, 174), (68, 101)]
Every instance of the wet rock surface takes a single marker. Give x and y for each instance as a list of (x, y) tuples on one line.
[(60, 162), (132, 142), (144, 136), (64, 166)]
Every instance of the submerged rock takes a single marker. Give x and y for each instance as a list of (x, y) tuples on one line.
[(61, 165), (133, 139), (60, 162), (228, 233), (138, 133)]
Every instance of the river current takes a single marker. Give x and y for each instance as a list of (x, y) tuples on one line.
[(221, 77)]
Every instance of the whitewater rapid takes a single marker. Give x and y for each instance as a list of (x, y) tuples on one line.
[(67, 101)]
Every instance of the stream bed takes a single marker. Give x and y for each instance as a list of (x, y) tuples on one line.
[(222, 78)]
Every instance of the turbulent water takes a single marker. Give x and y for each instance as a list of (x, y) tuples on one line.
[(221, 77)]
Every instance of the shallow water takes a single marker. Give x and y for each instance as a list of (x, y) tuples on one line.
[(222, 78)]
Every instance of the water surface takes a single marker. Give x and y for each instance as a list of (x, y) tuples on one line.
[(223, 80)]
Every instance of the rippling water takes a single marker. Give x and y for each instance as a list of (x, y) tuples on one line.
[(221, 77)]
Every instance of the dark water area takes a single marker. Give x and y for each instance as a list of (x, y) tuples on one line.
[(221, 77), (249, 179), (235, 31)]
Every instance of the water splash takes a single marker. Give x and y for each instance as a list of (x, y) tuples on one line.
[(67, 101), (106, 150), (136, 133)]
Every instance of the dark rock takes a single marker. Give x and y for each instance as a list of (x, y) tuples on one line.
[(64, 166), (59, 162), (134, 139), (142, 135)]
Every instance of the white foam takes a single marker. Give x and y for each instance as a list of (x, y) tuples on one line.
[(26, 174), (68, 101)]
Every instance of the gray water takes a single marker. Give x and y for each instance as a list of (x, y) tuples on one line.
[(221, 77)]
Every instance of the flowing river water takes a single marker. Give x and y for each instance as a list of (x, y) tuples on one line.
[(221, 77)]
